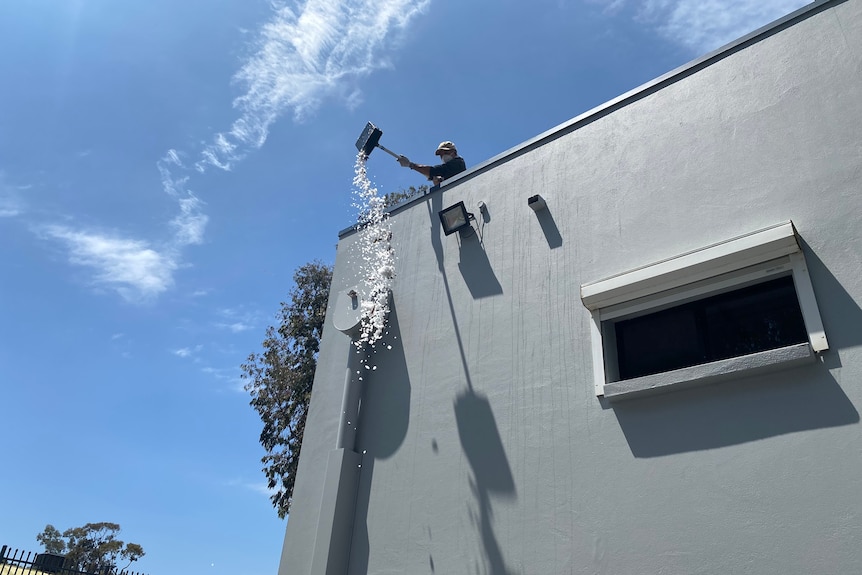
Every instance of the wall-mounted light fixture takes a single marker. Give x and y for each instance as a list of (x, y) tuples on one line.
[(457, 219)]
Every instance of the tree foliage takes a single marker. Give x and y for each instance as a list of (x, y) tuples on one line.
[(392, 199), (93, 548), (52, 540), (280, 378)]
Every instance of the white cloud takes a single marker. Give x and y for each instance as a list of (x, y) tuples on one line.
[(236, 327), (611, 6), (172, 186), (704, 25), (130, 267), (173, 157), (257, 487), (238, 319), (304, 54), (9, 209), (11, 202), (187, 351), (191, 222), (227, 375), (133, 268)]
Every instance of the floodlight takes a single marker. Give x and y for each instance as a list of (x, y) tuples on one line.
[(456, 218)]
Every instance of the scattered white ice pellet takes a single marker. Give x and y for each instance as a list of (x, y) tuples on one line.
[(378, 257)]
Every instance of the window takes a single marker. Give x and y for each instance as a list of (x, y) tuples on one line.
[(738, 306)]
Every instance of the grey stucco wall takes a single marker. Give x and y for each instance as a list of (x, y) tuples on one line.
[(485, 448)]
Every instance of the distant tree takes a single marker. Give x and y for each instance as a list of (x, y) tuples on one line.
[(52, 540), (280, 378), (392, 199), (93, 548)]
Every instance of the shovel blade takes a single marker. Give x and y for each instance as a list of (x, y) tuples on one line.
[(369, 139)]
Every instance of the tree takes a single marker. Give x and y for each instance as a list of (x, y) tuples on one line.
[(52, 540), (93, 548), (280, 378), (392, 199)]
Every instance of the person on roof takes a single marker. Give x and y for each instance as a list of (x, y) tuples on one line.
[(452, 164)]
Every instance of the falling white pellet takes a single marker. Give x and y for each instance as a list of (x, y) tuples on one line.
[(377, 262)]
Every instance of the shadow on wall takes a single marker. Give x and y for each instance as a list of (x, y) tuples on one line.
[(383, 422), (736, 412), (474, 265), (477, 428), (757, 407), (549, 228), (434, 206), (492, 476), (841, 314), (476, 269)]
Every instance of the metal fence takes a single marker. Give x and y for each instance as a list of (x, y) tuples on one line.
[(19, 562)]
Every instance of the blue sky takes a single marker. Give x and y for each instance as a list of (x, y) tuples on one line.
[(165, 165)]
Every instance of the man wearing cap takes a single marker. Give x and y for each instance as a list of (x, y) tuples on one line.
[(452, 164)]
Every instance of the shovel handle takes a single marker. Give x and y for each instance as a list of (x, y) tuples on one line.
[(390, 152)]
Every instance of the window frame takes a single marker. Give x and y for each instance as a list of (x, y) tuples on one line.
[(723, 267)]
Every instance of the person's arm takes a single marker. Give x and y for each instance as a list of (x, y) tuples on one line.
[(421, 168)]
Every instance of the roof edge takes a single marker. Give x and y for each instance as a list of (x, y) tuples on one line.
[(623, 100)]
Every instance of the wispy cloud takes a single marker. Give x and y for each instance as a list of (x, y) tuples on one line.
[(9, 208), (190, 224), (11, 202), (133, 268), (238, 319), (230, 376), (236, 327), (130, 267), (307, 52), (257, 487), (187, 351), (704, 25), (122, 345)]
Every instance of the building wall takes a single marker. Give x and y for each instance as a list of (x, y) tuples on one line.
[(484, 447)]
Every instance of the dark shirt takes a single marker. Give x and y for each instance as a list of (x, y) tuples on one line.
[(454, 166)]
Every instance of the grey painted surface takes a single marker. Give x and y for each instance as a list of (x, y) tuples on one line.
[(337, 507), (710, 373), (484, 447)]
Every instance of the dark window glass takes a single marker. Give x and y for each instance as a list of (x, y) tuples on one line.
[(756, 318)]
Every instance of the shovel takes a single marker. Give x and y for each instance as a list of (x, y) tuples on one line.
[(370, 139)]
